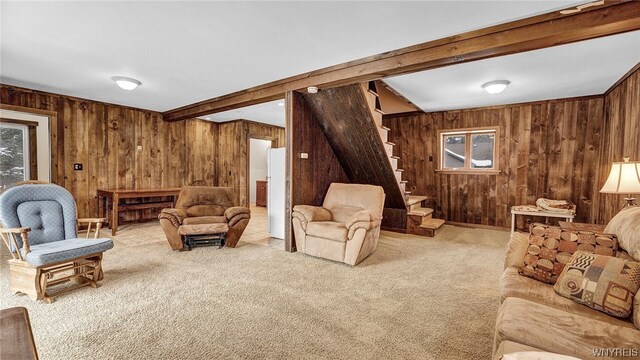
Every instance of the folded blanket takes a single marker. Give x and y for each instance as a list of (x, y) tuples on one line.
[(559, 206)]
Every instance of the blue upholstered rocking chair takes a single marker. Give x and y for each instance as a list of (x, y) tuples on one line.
[(39, 226)]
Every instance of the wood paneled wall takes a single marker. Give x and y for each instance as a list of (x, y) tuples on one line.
[(621, 138), (103, 137), (311, 177), (546, 149), (233, 149), (308, 179)]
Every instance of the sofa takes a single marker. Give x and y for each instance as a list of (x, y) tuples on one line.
[(532, 317), (202, 207), (346, 228)]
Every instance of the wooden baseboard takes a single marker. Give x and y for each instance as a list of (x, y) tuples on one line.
[(402, 231), (478, 226)]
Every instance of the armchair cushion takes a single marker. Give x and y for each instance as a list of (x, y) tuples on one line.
[(205, 210), (307, 213), (231, 212), (313, 213), (176, 216), (342, 213), (361, 220), (328, 229), (204, 220), (63, 250)]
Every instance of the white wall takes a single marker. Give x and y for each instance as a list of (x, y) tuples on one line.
[(257, 164), (42, 133)]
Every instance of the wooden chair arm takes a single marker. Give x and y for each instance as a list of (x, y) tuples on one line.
[(95, 220), (15, 230), (9, 237), (91, 221)]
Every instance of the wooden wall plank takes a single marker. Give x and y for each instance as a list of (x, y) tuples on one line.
[(546, 149), (232, 153), (620, 138)]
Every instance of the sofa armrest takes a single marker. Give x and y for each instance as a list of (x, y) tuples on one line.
[(361, 220), (174, 215), (307, 213), (236, 213), (516, 250)]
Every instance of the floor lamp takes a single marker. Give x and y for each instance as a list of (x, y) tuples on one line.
[(624, 178)]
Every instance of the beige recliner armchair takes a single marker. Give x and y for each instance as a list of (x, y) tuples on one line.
[(347, 226)]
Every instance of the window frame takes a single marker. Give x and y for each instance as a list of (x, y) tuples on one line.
[(468, 132), (26, 145)]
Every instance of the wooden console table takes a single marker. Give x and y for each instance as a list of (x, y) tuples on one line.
[(16, 336), (114, 195), (568, 217)]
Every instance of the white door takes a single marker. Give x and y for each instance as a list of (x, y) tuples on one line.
[(275, 192)]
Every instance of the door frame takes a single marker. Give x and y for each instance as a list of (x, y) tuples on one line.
[(56, 137), (274, 144)]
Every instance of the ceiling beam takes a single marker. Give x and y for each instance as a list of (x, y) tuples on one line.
[(538, 32)]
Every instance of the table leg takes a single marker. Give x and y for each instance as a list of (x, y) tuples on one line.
[(114, 214), (513, 223)]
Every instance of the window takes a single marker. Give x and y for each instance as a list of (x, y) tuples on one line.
[(468, 150), (14, 154)]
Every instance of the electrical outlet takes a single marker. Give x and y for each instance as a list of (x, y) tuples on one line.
[(77, 167), (139, 148), (304, 155)]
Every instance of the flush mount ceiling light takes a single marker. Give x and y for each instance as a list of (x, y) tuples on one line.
[(126, 83), (312, 89), (495, 87)]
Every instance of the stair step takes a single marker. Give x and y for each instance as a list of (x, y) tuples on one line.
[(395, 157), (416, 199), (421, 212), (384, 134), (404, 181), (390, 143), (386, 128), (371, 87), (400, 170), (378, 107), (433, 224)]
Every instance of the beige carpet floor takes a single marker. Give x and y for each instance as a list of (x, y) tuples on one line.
[(415, 298)]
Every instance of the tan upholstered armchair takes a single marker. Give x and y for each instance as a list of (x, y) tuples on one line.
[(204, 205), (347, 226)]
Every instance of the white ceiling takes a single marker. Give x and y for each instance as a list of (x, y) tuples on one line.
[(268, 113), (185, 52), (579, 69)]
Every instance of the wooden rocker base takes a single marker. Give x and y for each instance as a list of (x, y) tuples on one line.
[(34, 281)]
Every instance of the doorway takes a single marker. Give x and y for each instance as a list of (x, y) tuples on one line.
[(262, 199)]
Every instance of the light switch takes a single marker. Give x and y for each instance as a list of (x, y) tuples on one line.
[(304, 155)]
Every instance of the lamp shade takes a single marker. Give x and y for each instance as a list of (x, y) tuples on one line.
[(624, 178)]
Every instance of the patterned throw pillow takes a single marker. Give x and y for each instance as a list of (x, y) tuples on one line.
[(551, 247), (603, 283)]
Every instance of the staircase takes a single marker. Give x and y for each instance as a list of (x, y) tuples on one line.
[(361, 144), (419, 218)]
